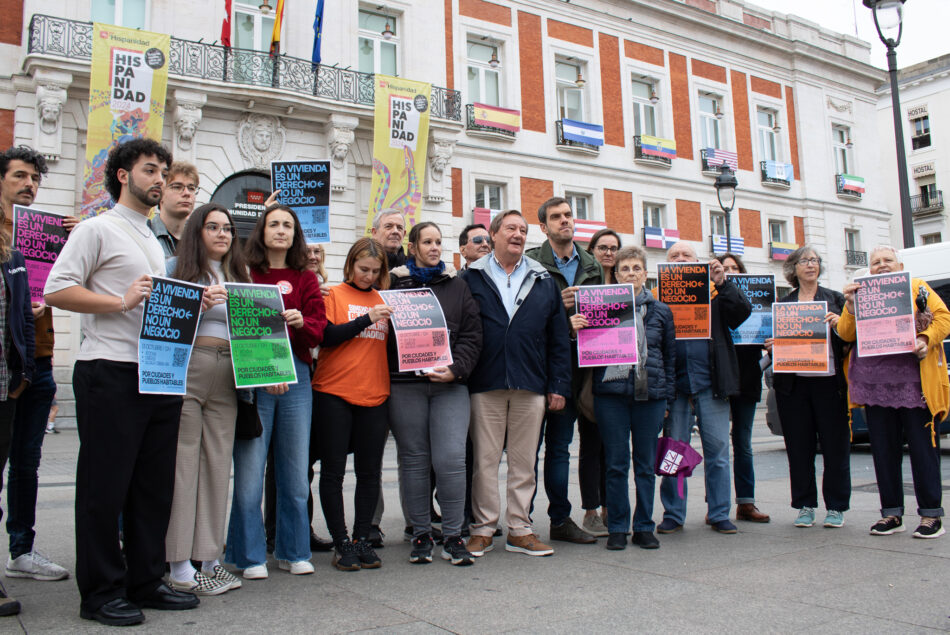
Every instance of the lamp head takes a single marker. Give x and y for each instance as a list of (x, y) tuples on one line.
[(888, 18), (726, 184)]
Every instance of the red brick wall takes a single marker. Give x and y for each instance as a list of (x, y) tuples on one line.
[(570, 33), (740, 114), (457, 192), (532, 72), (457, 261), (533, 193), (644, 53), (709, 71), (800, 230), (766, 87), (792, 129), (449, 48), (756, 21), (611, 91), (750, 227), (706, 5), (689, 220), (682, 124), (618, 211), (11, 24), (6, 129), (487, 11)]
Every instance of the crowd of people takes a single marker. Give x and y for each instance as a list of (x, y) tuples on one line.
[(153, 473)]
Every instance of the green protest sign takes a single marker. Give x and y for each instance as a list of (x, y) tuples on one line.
[(260, 346)]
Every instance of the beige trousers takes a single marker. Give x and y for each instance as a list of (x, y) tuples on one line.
[(517, 413), (203, 465)]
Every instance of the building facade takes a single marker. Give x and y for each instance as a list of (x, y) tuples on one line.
[(789, 105)]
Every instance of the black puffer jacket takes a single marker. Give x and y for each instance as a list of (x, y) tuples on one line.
[(461, 317)]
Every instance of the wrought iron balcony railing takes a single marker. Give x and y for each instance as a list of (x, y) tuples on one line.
[(561, 141), (926, 203), (648, 158), (471, 125), (73, 39), (767, 179), (855, 258), (842, 187)]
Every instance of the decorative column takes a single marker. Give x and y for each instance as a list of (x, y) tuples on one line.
[(340, 136), (441, 148), (188, 112), (50, 86)]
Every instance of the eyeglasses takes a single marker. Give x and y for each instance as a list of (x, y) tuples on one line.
[(478, 240), (179, 187), (214, 228), (809, 261), (605, 248)]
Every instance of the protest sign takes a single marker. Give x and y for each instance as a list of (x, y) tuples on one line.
[(684, 286), (422, 337), (305, 188), (611, 333), (260, 344), (884, 315), (761, 293), (40, 237), (801, 343), (169, 324)]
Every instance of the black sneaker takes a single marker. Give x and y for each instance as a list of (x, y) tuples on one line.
[(617, 541), (888, 526), (929, 528), (367, 557), (421, 550), (375, 537), (455, 552), (319, 544), (645, 540), (568, 531), (344, 556)]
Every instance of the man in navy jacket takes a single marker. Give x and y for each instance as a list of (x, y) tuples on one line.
[(525, 364)]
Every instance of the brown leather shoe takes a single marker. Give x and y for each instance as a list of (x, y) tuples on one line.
[(529, 545), (751, 513), (479, 545)]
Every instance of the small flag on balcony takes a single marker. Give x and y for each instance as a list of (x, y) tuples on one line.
[(780, 171), (581, 132), (781, 251), (226, 25), (716, 157), (275, 34), (483, 216), (495, 117), (317, 33), (659, 237), (584, 230), (852, 183), (719, 244), (657, 147)]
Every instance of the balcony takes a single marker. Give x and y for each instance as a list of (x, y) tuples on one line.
[(574, 146), (72, 39), (481, 130), (855, 258), (848, 186), (781, 174), (712, 159), (652, 157), (926, 204)]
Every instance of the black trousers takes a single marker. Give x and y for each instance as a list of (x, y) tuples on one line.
[(7, 414), (887, 428), (815, 411), (127, 448), (591, 465)]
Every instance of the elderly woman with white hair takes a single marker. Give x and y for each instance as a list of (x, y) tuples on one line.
[(904, 396)]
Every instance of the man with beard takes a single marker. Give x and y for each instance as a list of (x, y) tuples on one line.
[(128, 441)]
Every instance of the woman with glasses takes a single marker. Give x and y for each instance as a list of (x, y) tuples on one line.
[(604, 245), (207, 255), (814, 408)]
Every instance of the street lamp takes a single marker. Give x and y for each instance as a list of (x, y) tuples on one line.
[(726, 185), (888, 20)]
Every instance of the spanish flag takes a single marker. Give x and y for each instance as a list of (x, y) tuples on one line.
[(495, 117), (275, 35)]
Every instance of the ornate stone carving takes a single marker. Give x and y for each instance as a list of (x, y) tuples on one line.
[(839, 105), (340, 136), (261, 139), (440, 153), (187, 117), (50, 99)]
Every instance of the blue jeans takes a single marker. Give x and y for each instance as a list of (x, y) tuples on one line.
[(29, 429), (712, 415), (286, 418), (622, 420), (743, 415), (557, 433)]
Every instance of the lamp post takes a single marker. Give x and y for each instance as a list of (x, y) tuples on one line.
[(888, 20), (726, 185)]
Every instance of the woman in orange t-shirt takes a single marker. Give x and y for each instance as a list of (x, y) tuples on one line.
[(351, 387)]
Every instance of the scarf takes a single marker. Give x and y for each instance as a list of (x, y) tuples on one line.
[(424, 275)]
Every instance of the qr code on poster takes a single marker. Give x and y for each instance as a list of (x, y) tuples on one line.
[(438, 338), (624, 336), (904, 322), (277, 350), (178, 357)]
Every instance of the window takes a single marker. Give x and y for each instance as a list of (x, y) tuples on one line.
[(128, 13), (768, 144), (841, 139), (483, 80), (489, 195), (930, 239), (708, 123), (921, 135), (252, 30), (852, 239), (570, 98), (376, 53), (777, 233), (580, 204), (928, 194), (644, 112), (653, 215), (717, 223)]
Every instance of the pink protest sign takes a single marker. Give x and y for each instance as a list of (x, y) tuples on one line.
[(884, 315), (611, 335), (39, 236), (422, 338)]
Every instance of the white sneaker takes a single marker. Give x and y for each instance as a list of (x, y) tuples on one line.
[(35, 565), (300, 567), (256, 572)]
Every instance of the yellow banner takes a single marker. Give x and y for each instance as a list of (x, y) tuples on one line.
[(400, 141), (126, 100)]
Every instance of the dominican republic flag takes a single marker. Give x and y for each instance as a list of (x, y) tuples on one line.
[(851, 183), (715, 157), (495, 117), (719, 244), (226, 25), (781, 251), (659, 237), (780, 171), (657, 147), (581, 132), (584, 230)]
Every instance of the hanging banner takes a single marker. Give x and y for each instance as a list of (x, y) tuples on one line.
[(611, 333), (801, 343), (39, 236), (761, 293), (260, 344), (305, 188), (884, 315), (169, 325), (126, 100), (685, 287), (400, 141), (422, 336)]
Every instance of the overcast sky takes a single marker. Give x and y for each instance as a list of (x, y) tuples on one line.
[(925, 25)]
